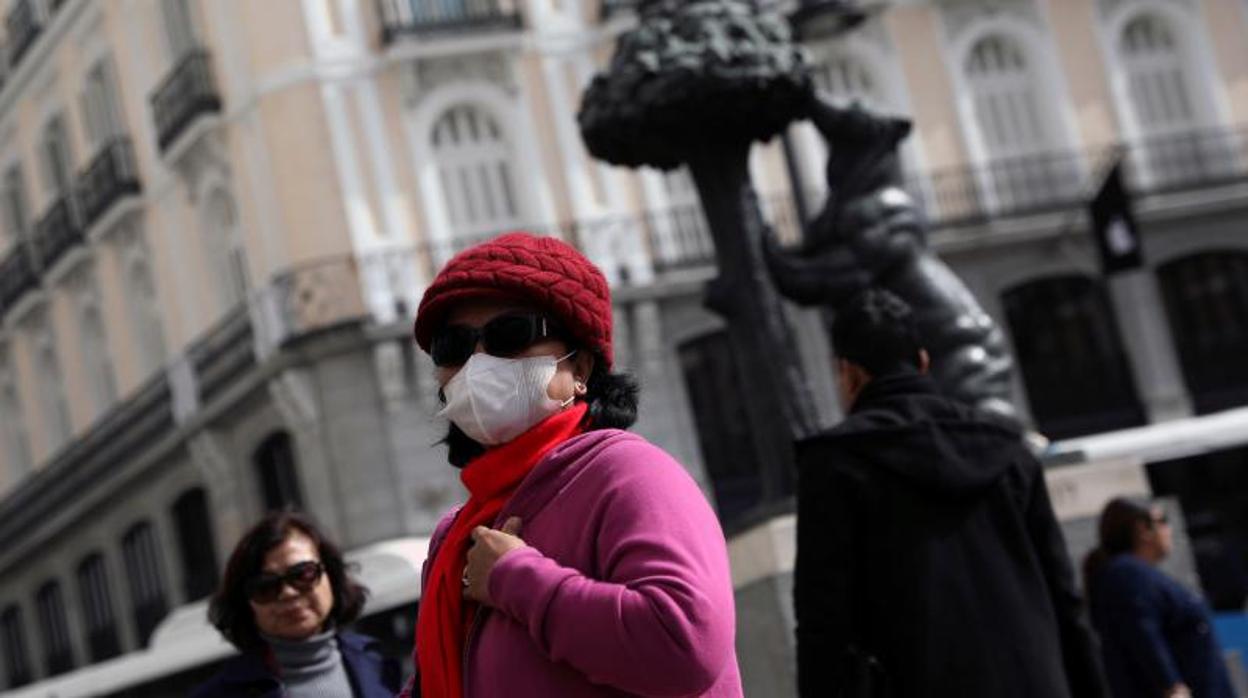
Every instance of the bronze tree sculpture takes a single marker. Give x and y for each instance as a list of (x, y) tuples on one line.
[(870, 232), (696, 83)]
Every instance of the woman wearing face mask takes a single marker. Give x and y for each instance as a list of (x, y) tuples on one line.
[(586, 561), (1157, 637)]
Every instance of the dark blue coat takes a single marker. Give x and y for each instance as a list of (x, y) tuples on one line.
[(372, 675), (1155, 633)]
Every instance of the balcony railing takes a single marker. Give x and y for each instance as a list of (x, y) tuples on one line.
[(57, 232), (1189, 160), (1060, 181), (423, 17), (110, 177), (17, 276), (1017, 186), (188, 92), (23, 27)]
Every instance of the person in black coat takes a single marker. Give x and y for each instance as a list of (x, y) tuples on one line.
[(929, 560), (1157, 636), (284, 602)]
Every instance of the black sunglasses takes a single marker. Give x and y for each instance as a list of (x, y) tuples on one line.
[(504, 336), (302, 577)]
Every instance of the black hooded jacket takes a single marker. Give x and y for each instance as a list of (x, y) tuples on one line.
[(927, 548)]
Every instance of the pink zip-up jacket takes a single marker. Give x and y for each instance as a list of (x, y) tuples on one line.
[(624, 589)]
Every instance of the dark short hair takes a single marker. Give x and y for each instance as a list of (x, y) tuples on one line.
[(876, 330), (1117, 530), (230, 610), (612, 399)]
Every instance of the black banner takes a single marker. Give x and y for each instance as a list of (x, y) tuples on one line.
[(1113, 224)]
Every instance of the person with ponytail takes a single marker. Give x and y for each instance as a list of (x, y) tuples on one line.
[(1156, 636), (586, 561)]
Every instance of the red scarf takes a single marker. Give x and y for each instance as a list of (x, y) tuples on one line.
[(491, 479)]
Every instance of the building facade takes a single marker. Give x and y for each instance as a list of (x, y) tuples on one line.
[(218, 217)]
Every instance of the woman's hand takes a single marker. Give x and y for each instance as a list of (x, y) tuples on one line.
[(488, 545)]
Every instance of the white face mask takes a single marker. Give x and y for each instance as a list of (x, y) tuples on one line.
[(494, 400)]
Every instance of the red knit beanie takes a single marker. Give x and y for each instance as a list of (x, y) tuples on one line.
[(544, 271)]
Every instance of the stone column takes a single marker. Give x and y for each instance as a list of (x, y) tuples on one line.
[(1147, 339), (229, 501)]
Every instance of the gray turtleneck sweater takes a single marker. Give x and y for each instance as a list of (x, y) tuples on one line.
[(312, 668)]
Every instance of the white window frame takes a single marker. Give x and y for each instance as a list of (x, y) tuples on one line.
[(144, 307), (97, 360), (16, 230), (58, 164), (512, 113), (1051, 90), (478, 177), (58, 424), (101, 106), (223, 247), (1208, 95), (13, 420)]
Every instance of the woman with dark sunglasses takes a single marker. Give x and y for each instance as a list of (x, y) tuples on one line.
[(586, 561), (285, 602), (1156, 635)]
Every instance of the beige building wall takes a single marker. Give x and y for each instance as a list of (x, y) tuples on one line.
[(1074, 24), (916, 33), (1228, 28)]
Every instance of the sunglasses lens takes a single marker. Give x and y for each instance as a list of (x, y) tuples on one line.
[(304, 575), (453, 345), (511, 334), (265, 589)]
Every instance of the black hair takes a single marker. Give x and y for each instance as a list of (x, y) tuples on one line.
[(1119, 525), (876, 331), (230, 609), (612, 399)]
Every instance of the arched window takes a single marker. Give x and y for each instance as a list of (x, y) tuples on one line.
[(13, 422), (52, 387), (1206, 298), (1021, 170), (279, 478), (58, 652), (97, 608), (195, 540), (58, 162), (1162, 91), (145, 312), (95, 356), (141, 553), (16, 212), (476, 171), (16, 652), (1074, 366), (225, 251), (1156, 76), (728, 447), (848, 79)]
